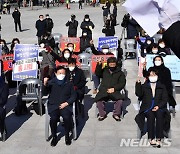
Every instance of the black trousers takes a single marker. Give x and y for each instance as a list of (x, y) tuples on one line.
[(78, 102), (67, 118), (152, 131), (19, 24), (2, 119), (171, 100)]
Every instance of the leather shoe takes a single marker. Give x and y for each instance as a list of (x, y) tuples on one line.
[(54, 141), (67, 140)]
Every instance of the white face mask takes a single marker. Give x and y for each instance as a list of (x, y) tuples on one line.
[(162, 45), (70, 48), (66, 55), (71, 68), (105, 51), (84, 34), (42, 45), (148, 42), (153, 79), (157, 63), (154, 51), (60, 76), (86, 19)]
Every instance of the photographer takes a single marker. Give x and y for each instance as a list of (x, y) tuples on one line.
[(131, 25)]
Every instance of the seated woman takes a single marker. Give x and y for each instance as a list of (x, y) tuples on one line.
[(164, 77), (162, 49), (154, 100), (5, 49), (4, 92), (113, 81), (61, 97)]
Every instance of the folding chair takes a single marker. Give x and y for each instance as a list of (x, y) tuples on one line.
[(47, 122), (85, 60), (33, 91), (130, 47)]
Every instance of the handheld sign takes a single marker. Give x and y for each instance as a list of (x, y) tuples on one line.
[(25, 56)]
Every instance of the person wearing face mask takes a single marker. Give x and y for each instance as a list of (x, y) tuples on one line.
[(164, 77), (77, 77), (4, 92), (47, 64), (48, 40), (13, 43), (104, 51), (113, 81), (61, 97), (84, 42), (87, 26), (49, 24), (70, 46), (41, 27), (72, 25), (154, 106), (154, 49), (5, 49), (146, 46), (162, 48)]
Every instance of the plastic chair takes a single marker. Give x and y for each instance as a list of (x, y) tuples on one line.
[(47, 121), (57, 37), (33, 91), (130, 46), (85, 60), (157, 37)]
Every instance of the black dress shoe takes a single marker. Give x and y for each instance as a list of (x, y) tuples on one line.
[(54, 141), (67, 140)]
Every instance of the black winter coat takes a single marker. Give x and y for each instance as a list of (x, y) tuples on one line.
[(131, 29), (85, 28), (16, 15), (59, 94), (72, 30), (164, 76), (49, 24), (41, 27), (114, 80), (4, 92), (84, 43), (78, 79), (171, 38), (144, 92)]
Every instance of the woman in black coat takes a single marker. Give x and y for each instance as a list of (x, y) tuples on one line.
[(164, 78), (4, 92), (154, 99)]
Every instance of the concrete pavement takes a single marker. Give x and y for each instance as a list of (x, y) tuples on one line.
[(26, 134)]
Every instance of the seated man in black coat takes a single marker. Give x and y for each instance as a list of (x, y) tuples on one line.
[(61, 97), (113, 81), (77, 77), (4, 92)]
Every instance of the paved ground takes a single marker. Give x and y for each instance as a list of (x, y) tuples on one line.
[(26, 133)]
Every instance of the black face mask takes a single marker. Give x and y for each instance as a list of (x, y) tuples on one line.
[(112, 69)]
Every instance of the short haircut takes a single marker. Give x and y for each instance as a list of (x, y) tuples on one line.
[(70, 43), (72, 61), (59, 68), (41, 16), (152, 69), (111, 60)]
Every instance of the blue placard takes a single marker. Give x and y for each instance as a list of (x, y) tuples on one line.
[(171, 61), (111, 41), (25, 56)]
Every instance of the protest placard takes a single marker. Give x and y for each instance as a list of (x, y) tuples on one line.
[(25, 57), (65, 40), (170, 61), (97, 58), (111, 41)]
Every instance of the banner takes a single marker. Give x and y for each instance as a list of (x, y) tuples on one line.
[(171, 61), (111, 41), (97, 58), (7, 62), (65, 40), (25, 57)]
